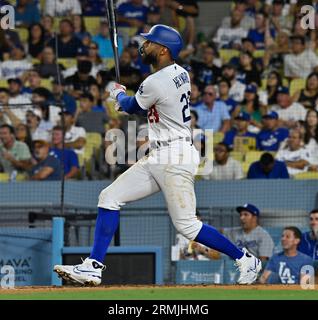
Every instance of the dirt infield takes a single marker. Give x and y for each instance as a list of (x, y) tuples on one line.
[(39, 289)]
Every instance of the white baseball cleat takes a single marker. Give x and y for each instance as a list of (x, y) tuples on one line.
[(249, 268), (88, 273)]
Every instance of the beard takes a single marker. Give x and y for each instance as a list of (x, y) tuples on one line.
[(149, 59)]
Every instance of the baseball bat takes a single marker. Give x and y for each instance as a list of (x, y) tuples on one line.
[(111, 18)]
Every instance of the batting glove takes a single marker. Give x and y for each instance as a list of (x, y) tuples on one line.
[(115, 89)]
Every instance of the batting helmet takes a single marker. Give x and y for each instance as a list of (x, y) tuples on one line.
[(165, 36)]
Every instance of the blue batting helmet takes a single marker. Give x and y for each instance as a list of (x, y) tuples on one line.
[(165, 36)]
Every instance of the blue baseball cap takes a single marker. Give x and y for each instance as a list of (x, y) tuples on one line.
[(270, 115), (251, 88), (283, 90), (248, 207), (243, 116)]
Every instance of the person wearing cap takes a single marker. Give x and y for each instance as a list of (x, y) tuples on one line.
[(301, 61), (17, 63), (237, 89), (309, 240), (67, 43), (213, 114), (267, 168), (241, 124), (223, 167), (297, 158), (206, 72), (33, 120), (48, 166), (271, 136), (26, 13), (250, 234), (79, 83), (132, 14), (289, 112), (88, 119), (286, 266), (14, 155)]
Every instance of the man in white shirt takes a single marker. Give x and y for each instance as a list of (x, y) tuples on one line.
[(296, 157), (238, 17), (301, 62), (223, 167), (62, 8), (75, 137), (237, 88), (289, 112)]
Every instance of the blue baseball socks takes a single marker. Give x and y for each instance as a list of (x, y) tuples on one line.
[(213, 239), (106, 225)]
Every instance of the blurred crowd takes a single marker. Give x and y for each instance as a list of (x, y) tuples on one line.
[(254, 83)]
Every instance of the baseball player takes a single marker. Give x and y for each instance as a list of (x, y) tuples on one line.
[(169, 167)]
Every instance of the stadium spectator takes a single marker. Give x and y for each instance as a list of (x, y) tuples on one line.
[(17, 95), (9, 114), (229, 72), (195, 97), (223, 167), (36, 40), (245, 21), (33, 120), (160, 11), (16, 65), (33, 78), (259, 32), (278, 20), (251, 105), (22, 134), (14, 155), (68, 158), (311, 132), (48, 66), (309, 240), (93, 8), (88, 119), (95, 91), (104, 43), (79, 27), (223, 86), (247, 72), (269, 96), (75, 137), (289, 112), (267, 168), (213, 114), (132, 14), (297, 158), (130, 76), (206, 72), (285, 267), (230, 37), (308, 97), (67, 42), (48, 167), (136, 61), (62, 8), (48, 24), (94, 57), (301, 61), (250, 234), (26, 13), (60, 96), (240, 129), (80, 82), (271, 136)]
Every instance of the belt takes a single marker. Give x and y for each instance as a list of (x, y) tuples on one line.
[(159, 143)]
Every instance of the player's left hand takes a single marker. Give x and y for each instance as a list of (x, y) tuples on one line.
[(115, 89)]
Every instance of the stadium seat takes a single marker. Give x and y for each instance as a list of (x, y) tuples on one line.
[(258, 53), (109, 63), (306, 176), (237, 155), (296, 84), (23, 34), (244, 144), (4, 83), (46, 83), (92, 24), (227, 54), (217, 137), (67, 63), (93, 139), (252, 156), (245, 167), (4, 177), (21, 177), (35, 61), (130, 93)]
